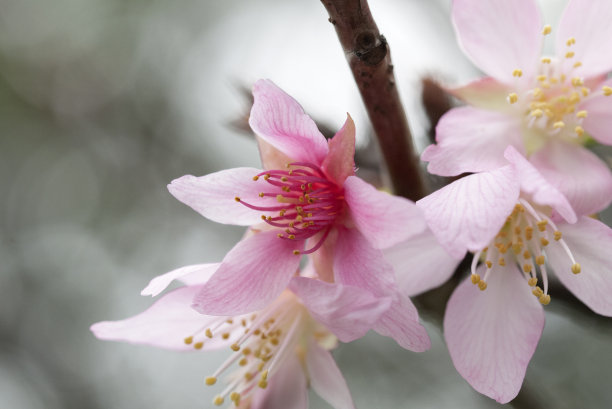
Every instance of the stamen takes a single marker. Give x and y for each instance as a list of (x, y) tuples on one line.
[(607, 91), (547, 30), (517, 73)]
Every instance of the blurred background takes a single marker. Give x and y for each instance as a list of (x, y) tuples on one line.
[(104, 102)]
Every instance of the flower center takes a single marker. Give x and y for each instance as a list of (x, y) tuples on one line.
[(261, 342), (523, 240), (552, 104), (309, 203)]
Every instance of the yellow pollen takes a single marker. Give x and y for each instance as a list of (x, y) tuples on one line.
[(516, 248), (209, 333), (537, 292), (248, 376), (541, 78), (261, 194), (569, 54), (482, 285), (285, 189), (475, 278), (543, 241), (576, 268), (542, 225), (571, 41), (225, 335), (558, 235), (198, 345), (284, 179), (235, 347), (537, 113), (235, 397), (545, 60), (280, 235), (577, 64), (489, 264), (581, 114), (540, 260), (527, 268), (501, 261), (188, 340), (577, 82), (512, 98), (579, 130), (211, 380), (527, 254), (607, 91), (266, 176), (296, 252), (532, 282), (558, 124), (291, 236), (537, 93), (219, 400), (517, 72), (262, 384), (544, 299), (243, 362), (547, 30), (255, 178), (237, 199), (246, 351)]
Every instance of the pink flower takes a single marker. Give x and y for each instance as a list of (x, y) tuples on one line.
[(546, 107), (518, 225), (276, 352), (306, 201)]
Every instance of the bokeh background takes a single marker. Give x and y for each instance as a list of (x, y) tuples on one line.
[(104, 102)]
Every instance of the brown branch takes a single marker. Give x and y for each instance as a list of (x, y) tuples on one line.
[(367, 53)]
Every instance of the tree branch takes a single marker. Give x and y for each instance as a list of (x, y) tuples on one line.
[(367, 53)]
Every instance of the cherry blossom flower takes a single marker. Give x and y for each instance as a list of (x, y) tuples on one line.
[(306, 201), (276, 352), (518, 226), (546, 107)]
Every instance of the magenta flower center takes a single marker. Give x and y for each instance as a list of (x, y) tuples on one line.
[(523, 240), (552, 105), (308, 202)]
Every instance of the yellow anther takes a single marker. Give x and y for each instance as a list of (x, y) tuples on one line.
[(280, 235), (577, 81), (219, 400), (532, 282), (607, 91), (188, 340), (482, 285), (541, 78), (528, 232), (527, 254), (243, 362), (291, 236), (537, 113), (517, 248), (235, 397), (489, 264), (280, 198), (569, 54), (537, 93), (255, 178), (501, 261), (576, 268), (579, 130), (545, 60), (547, 30), (570, 41), (235, 347), (285, 189), (581, 114), (558, 235), (540, 260), (264, 375), (512, 98), (263, 217), (543, 241), (544, 299), (296, 252), (527, 268), (225, 335), (475, 278), (517, 72), (237, 199), (211, 380), (554, 80), (284, 179), (274, 341), (209, 333), (542, 225), (246, 351), (558, 124), (262, 384), (248, 376), (198, 345)]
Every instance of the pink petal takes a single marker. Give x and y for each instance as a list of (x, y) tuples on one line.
[(578, 173), (382, 218), (401, 322), (599, 119), (472, 140), (491, 335), (469, 212), (165, 324), (487, 93), (190, 275), (271, 158), (214, 195), (590, 242), (540, 190), (499, 35), (280, 120), (340, 161), (420, 264), (287, 388), (326, 379), (348, 312), (252, 275), (588, 21)]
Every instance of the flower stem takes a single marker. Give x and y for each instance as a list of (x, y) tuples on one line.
[(368, 56)]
